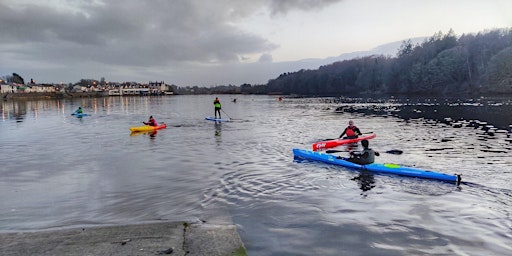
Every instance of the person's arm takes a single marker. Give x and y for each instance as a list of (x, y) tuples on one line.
[(343, 133), (355, 154), (357, 131)]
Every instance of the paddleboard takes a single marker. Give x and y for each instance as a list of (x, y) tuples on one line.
[(209, 118)]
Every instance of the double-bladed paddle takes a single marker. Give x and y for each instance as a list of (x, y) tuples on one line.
[(393, 151), (343, 138)]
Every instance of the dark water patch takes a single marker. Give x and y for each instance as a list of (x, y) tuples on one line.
[(494, 151), (438, 149), (480, 113)]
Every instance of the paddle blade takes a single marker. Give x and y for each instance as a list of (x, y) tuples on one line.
[(395, 152), (333, 151)]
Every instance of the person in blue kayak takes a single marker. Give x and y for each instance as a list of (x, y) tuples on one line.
[(218, 107), (366, 156), (151, 122), (351, 131), (78, 112)]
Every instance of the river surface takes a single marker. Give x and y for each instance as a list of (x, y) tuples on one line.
[(59, 171)]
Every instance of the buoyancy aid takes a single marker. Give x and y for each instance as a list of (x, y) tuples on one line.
[(370, 158), (216, 103), (350, 131)]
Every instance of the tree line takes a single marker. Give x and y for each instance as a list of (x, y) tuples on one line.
[(442, 65)]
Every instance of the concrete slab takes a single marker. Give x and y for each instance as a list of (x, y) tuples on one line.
[(167, 238)]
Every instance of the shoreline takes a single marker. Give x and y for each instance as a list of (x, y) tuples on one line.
[(51, 95)]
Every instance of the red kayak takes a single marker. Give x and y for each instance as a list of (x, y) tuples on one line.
[(337, 142)]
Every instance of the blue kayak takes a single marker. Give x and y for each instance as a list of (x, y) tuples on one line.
[(80, 114), (375, 167), (209, 118)]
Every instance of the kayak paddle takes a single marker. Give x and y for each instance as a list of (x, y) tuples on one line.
[(393, 151), (343, 138)]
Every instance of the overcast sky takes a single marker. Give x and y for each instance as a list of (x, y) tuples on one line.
[(214, 42)]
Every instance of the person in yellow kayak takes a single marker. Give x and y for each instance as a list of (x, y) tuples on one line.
[(218, 107), (366, 156), (151, 122), (351, 131)]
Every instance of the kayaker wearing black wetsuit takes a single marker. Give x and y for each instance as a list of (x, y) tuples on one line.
[(217, 105), (367, 156), (351, 131)]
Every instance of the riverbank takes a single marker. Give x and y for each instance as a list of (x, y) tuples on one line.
[(166, 238), (50, 95)]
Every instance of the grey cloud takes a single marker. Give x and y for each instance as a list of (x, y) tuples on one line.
[(284, 6), (132, 34), (113, 33), (265, 58)]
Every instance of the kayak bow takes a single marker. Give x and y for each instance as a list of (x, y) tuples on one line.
[(334, 143)]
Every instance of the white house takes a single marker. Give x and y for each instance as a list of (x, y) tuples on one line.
[(8, 88)]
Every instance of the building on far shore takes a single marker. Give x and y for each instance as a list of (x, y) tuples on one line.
[(151, 88), (110, 89), (22, 88)]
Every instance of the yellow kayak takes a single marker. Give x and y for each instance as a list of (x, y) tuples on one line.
[(146, 128)]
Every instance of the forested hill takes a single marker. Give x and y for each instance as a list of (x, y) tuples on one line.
[(443, 64)]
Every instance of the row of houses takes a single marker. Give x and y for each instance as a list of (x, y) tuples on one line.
[(113, 89), (21, 88), (152, 88)]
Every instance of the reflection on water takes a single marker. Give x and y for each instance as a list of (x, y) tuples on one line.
[(218, 128), (151, 134), (60, 171), (365, 181)]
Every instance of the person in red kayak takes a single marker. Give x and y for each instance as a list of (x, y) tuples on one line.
[(351, 131), (367, 156), (151, 122)]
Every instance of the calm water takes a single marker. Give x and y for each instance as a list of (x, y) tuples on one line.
[(60, 171)]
